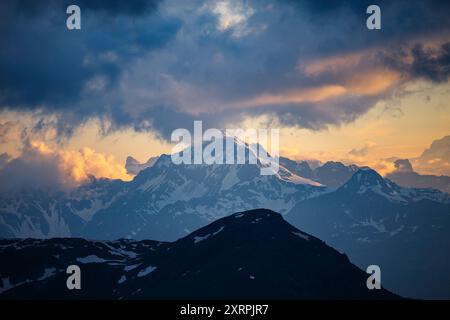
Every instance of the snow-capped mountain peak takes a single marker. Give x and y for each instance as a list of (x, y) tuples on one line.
[(286, 175), (367, 181)]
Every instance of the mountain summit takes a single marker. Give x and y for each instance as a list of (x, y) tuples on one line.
[(366, 179)]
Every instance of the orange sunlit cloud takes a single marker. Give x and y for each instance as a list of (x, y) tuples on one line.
[(330, 65), (372, 82), (75, 167), (368, 81), (296, 96)]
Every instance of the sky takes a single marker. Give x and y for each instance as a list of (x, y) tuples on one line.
[(75, 103)]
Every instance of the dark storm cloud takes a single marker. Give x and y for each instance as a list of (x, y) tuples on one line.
[(163, 116), (45, 65), (430, 64), (401, 17), (160, 65), (112, 7), (316, 116), (401, 22)]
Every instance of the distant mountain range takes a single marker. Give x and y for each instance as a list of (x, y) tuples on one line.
[(332, 174), (163, 202), (405, 231), (248, 255), (372, 219), (406, 176)]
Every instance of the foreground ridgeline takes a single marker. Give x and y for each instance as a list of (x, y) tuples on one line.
[(250, 255)]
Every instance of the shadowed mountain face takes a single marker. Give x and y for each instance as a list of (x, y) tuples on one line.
[(404, 231), (249, 255), (332, 173)]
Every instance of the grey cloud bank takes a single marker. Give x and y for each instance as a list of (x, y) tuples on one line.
[(158, 65)]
